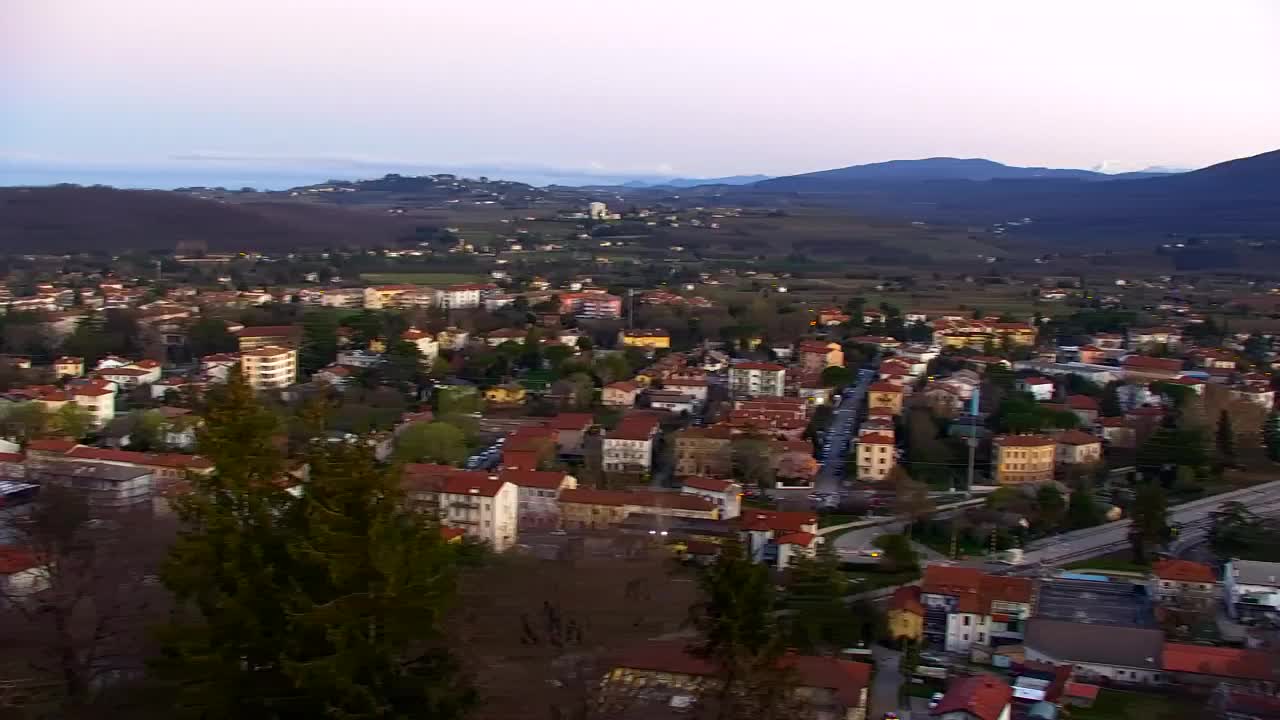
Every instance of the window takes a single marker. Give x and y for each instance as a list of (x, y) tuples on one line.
[(966, 621)]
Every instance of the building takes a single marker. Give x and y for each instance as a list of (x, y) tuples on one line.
[(1041, 388), (427, 345), (1251, 590), (757, 378), (773, 537), (672, 401), (1139, 338), (1144, 368), (970, 612), (486, 508), (816, 356), (107, 488), (539, 496), (876, 456), (571, 431), (1077, 448), (144, 372), (977, 697), (1184, 584), (68, 366), (703, 451), (509, 394), (1205, 666), (619, 394), (726, 494), (22, 573), (906, 615), (252, 338), (379, 297), (269, 367), (463, 297), (590, 509), (98, 399), (1021, 459), (1116, 654), (885, 395), (629, 446), (667, 680), (649, 339)]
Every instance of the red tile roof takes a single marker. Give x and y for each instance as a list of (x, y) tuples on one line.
[(1082, 402), (876, 439), (54, 445), (775, 520), (1143, 362), (982, 696), (884, 387), (572, 421), (707, 484), (800, 538), (1183, 571), (520, 459), (169, 460), (467, 482), (907, 598), (1081, 690), (14, 559), (1078, 437), (767, 367), (950, 580), (1218, 661), (1024, 440)]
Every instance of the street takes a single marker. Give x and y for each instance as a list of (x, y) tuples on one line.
[(842, 430)]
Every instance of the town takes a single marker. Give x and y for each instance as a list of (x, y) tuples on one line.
[(1055, 504)]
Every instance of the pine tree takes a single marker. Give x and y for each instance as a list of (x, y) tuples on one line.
[(1226, 440), (319, 341), (1150, 521), (1271, 436), (1082, 509), (815, 592)]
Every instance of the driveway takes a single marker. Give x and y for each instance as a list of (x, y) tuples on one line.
[(884, 688)]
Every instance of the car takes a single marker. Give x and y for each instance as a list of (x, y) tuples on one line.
[(891, 715), (934, 700)]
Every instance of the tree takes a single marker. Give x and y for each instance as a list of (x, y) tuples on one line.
[(837, 376), (910, 498), (752, 461), (209, 335), (1050, 505), (1109, 403), (1150, 521), (319, 345), (435, 442), (1082, 509), (899, 556), (819, 620), (1225, 440), (26, 421), (71, 421), (738, 633)]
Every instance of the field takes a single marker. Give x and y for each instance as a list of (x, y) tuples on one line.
[(1125, 705), (425, 278)]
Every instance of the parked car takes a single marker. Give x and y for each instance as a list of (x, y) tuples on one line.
[(934, 700)]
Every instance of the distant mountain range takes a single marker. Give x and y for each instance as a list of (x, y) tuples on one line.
[(696, 182), (938, 168)]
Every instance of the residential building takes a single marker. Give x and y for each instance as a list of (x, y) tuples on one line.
[(509, 394), (1116, 654), (68, 366), (217, 367), (703, 451), (906, 615), (1021, 459), (539, 496), (1144, 368), (427, 345), (774, 537), (1204, 666), (486, 508), (649, 339), (1077, 448), (977, 697), (464, 296), (876, 456), (252, 338), (379, 297), (1185, 584), (584, 508), (1041, 388), (757, 378), (143, 372), (99, 399), (694, 387), (619, 394), (726, 494), (629, 446), (22, 573), (662, 678), (591, 305), (970, 612), (1139, 338), (672, 401), (1084, 407), (571, 431), (1251, 590), (885, 395), (107, 488), (269, 367), (816, 356)]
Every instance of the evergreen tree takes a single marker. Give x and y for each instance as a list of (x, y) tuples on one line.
[(820, 619), (319, 341), (1226, 440), (1150, 521), (1082, 509), (1271, 436), (1109, 403)]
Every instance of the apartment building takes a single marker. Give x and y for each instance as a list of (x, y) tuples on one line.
[(876, 456), (269, 367), (428, 346), (816, 356), (629, 446), (1021, 459), (585, 508), (538, 494), (970, 612), (650, 339), (726, 494), (252, 338), (757, 378), (463, 297), (486, 508), (703, 451)]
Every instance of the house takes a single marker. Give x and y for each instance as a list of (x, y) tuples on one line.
[(1142, 337), (584, 508), (968, 611), (830, 316), (703, 451), (217, 367), (619, 394), (68, 366), (1185, 584), (1109, 653), (1021, 459), (1142, 368), (885, 395), (673, 679), (1251, 590), (269, 367), (132, 375), (775, 537), (1084, 407), (694, 387), (538, 495), (906, 615), (98, 398), (648, 339), (816, 356), (1076, 448), (1205, 666), (1117, 432), (629, 446), (876, 456), (977, 697), (757, 378), (428, 346), (339, 376), (22, 573), (726, 494), (486, 508), (1041, 388), (571, 431)]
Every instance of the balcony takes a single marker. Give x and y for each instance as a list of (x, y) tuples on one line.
[(464, 505)]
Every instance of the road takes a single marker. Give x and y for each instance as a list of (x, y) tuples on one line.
[(841, 431), (888, 678)]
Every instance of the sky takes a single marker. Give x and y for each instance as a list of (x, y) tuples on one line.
[(246, 92)]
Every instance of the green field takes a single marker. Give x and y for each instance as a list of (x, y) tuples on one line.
[(1125, 705), (424, 278)]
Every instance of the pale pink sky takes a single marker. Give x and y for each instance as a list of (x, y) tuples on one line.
[(694, 88)]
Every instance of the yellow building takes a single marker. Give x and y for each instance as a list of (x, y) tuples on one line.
[(385, 296), (652, 339), (1023, 459), (976, 334), (510, 394), (906, 615), (885, 395), (587, 508), (269, 368), (68, 366)]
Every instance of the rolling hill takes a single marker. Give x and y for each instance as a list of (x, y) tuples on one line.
[(70, 218), (929, 169)]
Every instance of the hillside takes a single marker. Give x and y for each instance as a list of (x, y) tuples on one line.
[(929, 169), (70, 218)]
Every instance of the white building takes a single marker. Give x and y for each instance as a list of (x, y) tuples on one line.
[(1251, 589), (462, 297), (876, 456), (269, 368), (485, 508), (1041, 388), (99, 399), (726, 494), (757, 378), (539, 494), (629, 446)]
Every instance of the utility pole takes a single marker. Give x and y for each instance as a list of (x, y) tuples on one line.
[(972, 440)]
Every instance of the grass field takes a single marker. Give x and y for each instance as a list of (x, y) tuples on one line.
[(1125, 705), (425, 278)]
